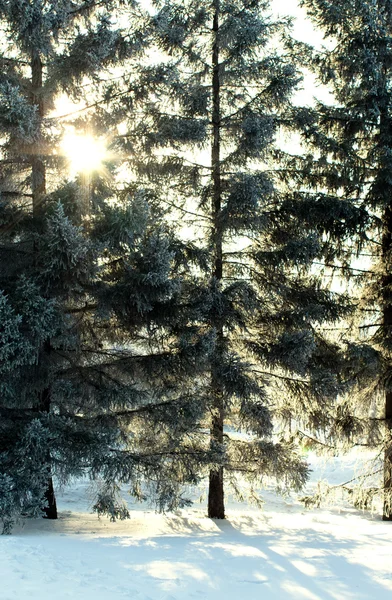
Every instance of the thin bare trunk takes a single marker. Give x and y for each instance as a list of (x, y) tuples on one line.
[(216, 508), (38, 171), (38, 190), (387, 512), (387, 322), (51, 507)]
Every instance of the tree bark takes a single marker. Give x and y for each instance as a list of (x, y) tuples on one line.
[(51, 507), (38, 171), (38, 191), (216, 508), (387, 324), (385, 190), (387, 511), (216, 501)]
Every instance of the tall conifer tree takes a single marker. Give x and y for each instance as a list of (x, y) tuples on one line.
[(75, 381), (45, 259), (203, 135), (354, 141)]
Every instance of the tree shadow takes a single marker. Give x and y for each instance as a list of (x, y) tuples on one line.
[(311, 564), (245, 556)]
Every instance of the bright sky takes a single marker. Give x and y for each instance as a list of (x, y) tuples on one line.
[(303, 29)]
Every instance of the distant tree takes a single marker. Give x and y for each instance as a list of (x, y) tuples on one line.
[(354, 143), (205, 134)]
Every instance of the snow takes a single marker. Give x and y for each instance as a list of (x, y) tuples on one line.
[(280, 552)]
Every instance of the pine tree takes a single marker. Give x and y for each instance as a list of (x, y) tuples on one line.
[(204, 125), (354, 142), (74, 382)]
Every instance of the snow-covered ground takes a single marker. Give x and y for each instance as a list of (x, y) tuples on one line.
[(281, 552)]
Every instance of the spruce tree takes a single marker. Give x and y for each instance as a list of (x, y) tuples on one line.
[(74, 381), (205, 129), (44, 258), (353, 138)]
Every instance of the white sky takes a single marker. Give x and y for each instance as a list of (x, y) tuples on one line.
[(303, 29)]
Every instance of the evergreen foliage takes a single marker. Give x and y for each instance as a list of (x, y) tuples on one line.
[(171, 328), (75, 381), (204, 125), (354, 142)]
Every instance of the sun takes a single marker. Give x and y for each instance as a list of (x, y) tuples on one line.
[(85, 153)]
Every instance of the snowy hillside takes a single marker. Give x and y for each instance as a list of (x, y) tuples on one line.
[(334, 553)]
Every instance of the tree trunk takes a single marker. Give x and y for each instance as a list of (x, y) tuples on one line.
[(387, 323), (216, 504), (43, 405), (51, 507), (38, 190), (385, 140), (216, 508), (38, 171), (387, 512)]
